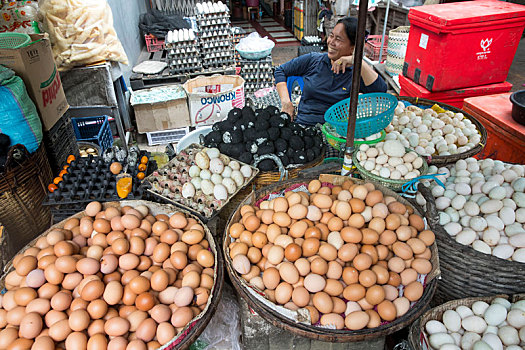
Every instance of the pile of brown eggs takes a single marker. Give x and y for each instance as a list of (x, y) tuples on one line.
[(118, 278), (350, 255)]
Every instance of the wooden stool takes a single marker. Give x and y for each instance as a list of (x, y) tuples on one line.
[(253, 9)]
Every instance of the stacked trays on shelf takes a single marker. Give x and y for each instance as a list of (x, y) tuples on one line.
[(257, 74), (238, 34), (183, 51), (215, 36)]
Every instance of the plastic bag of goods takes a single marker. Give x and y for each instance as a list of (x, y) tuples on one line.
[(81, 32), (19, 17), (18, 116), (253, 43)]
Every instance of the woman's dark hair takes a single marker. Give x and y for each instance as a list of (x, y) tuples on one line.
[(350, 24)]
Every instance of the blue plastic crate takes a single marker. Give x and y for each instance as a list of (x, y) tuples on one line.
[(93, 129)]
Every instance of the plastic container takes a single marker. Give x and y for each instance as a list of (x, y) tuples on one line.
[(505, 137), (462, 44), (374, 112), (153, 44), (93, 129), (518, 106), (254, 55), (453, 97), (14, 40), (373, 47)]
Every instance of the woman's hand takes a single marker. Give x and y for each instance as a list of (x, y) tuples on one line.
[(289, 108), (340, 65)]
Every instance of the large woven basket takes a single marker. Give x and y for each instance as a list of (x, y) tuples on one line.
[(444, 160), (466, 272), (191, 332), (23, 188), (267, 310), (416, 335), (397, 48)]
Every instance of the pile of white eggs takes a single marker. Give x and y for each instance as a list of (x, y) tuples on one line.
[(431, 133), (389, 159), (498, 326), (483, 205)]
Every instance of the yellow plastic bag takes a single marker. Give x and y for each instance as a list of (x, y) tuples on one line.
[(81, 32)]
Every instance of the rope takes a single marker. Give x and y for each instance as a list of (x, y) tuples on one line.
[(411, 186)]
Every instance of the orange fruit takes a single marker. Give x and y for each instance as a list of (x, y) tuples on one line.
[(57, 180), (140, 176), (52, 188), (70, 158), (142, 167), (144, 160)]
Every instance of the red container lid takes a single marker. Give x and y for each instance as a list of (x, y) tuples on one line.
[(498, 110), (420, 91), (466, 14)]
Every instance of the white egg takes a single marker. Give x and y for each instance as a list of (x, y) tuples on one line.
[(474, 324), (439, 339), (234, 165), (188, 190), (207, 187), (452, 320), (468, 340), (230, 185), (220, 192), (495, 314), (464, 311), (246, 171), (516, 318), (509, 335)]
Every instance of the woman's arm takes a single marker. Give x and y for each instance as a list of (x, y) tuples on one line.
[(368, 74), (287, 105)]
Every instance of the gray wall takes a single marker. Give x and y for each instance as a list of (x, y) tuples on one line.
[(126, 15)]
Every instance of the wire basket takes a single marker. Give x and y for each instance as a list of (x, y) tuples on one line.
[(374, 112), (13, 40), (337, 142), (390, 183)]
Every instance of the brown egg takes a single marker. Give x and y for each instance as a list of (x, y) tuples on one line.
[(333, 287), (15, 315), (314, 314), (413, 291), (8, 336), (402, 250), (298, 211), (252, 223), (25, 265), (102, 226), (328, 252), (97, 341), (181, 317), (428, 237), (145, 301), (375, 294), (271, 278), (24, 295), (116, 326), (128, 261), (387, 310), (283, 293), (408, 276), (178, 220), (192, 237), (31, 325), (375, 320), (61, 301), (129, 221), (396, 264), (362, 261), (165, 332), (319, 266), (40, 306), (310, 247), (402, 305), (394, 279), (115, 169), (357, 320), (354, 292), (300, 296), (422, 266), (314, 186), (43, 342), (59, 330)]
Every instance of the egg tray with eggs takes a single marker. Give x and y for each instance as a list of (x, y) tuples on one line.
[(306, 303), (90, 179), (465, 323), (94, 304), (167, 185)]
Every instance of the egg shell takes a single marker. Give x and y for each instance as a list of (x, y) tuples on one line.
[(356, 320)]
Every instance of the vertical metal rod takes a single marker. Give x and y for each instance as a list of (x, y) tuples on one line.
[(384, 31), (356, 82)]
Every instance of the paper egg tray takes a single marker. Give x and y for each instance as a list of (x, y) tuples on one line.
[(185, 203)]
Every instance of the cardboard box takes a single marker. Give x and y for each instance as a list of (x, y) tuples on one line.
[(160, 115), (211, 98), (36, 66)]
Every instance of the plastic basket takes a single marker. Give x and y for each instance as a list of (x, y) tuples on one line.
[(374, 112), (93, 129), (254, 55), (336, 141), (153, 44), (390, 183), (373, 47), (60, 142), (13, 40)]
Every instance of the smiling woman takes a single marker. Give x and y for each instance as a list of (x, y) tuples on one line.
[(327, 76)]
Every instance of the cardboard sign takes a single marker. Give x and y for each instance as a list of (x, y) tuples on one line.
[(35, 65)]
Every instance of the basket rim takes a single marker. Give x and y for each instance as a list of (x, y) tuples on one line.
[(444, 160), (338, 139), (311, 331)]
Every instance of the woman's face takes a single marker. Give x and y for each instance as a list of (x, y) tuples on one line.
[(338, 43)]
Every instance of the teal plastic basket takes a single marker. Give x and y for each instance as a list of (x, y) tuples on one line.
[(374, 112)]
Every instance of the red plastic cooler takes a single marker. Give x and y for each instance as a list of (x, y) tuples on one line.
[(462, 44), (452, 97)]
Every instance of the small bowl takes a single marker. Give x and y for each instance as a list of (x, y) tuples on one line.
[(518, 106)]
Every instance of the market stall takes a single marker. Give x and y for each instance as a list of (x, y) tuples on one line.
[(198, 208)]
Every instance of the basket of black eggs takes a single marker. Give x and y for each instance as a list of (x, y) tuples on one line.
[(268, 139)]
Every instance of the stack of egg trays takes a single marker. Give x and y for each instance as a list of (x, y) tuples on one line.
[(215, 39), (258, 74), (238, 34), (183, 57)]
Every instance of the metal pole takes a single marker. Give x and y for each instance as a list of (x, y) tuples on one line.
[(356, 82), (384, 31)]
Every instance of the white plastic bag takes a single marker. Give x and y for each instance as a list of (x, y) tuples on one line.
[(81, 32), (19, 17), (255, 43)]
